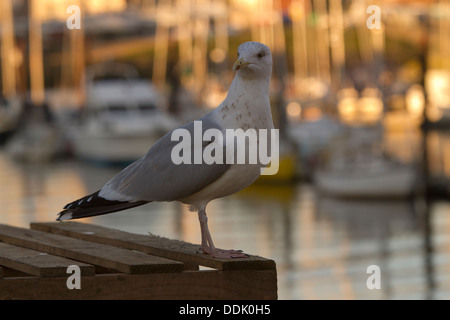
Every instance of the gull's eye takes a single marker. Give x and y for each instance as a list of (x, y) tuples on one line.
[(261, 54)]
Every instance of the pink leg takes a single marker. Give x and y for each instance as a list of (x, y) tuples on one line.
[(208, 245)]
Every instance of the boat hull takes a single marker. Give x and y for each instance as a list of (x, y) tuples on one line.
[(112, 149), (390, 184)]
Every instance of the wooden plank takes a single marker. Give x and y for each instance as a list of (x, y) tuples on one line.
[(38, 263), (186, 285), (93, 253), (155, 245), (8, 272), (1, 272)]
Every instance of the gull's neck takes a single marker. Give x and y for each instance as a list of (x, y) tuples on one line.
[(248, 89), (247, 104), (242, 83)]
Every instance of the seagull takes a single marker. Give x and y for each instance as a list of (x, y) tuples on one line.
[(155, 176)]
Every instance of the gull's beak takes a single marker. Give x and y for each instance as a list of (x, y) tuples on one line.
[(239, 64)]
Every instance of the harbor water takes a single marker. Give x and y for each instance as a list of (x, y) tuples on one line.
[(324, 248)]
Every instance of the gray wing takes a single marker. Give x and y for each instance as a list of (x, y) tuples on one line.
[(155, 177)]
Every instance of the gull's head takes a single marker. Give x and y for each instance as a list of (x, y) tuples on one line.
[(254, 60)]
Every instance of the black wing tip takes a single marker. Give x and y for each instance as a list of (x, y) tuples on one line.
[(94, 205), (64, 215), (84, 201), (85, 212)]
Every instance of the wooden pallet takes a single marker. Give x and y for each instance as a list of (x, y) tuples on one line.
[(119, 265)]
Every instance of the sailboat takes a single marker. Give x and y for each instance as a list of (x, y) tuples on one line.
[(10, 112), (366, 176)]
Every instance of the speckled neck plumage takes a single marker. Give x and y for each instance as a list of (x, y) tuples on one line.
[(240, 109)]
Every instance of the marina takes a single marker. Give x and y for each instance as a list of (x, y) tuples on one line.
[(322, 246), (359, 98)]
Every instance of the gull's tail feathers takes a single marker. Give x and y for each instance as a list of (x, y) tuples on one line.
[(94, 205)]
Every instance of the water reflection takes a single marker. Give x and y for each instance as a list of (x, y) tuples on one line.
[(371, 228), (322, 246)]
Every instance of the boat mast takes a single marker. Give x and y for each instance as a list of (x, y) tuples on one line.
[(8, 49), (35, 52)]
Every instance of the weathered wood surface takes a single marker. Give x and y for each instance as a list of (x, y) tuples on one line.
[(120, 265), (92, 253), (186, 285), (155, 245), (37, 263)]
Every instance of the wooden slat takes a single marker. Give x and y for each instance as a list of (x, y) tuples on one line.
[(1, 272), (162, 247), (38, 263), (186, 285), (93, 253)]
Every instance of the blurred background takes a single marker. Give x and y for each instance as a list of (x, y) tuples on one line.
[(360, 92)]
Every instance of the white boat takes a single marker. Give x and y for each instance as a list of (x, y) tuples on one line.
[(38, 138), (311, 138), (10, 113), (371, 177), (36, 142), (123, 118)]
